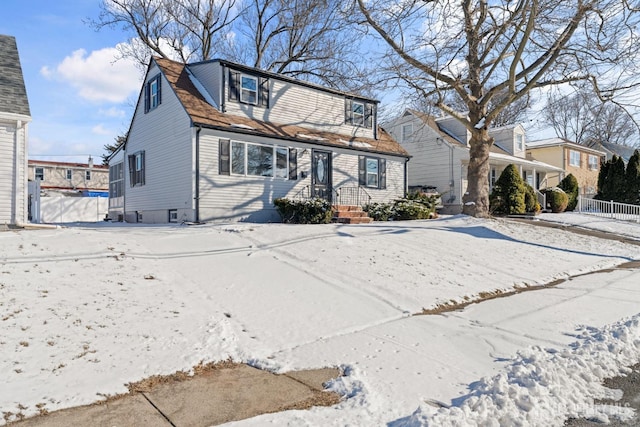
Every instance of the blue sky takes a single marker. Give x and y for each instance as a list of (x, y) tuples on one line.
[(80, 99)]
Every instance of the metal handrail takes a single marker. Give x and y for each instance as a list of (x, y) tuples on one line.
[(352, 195)]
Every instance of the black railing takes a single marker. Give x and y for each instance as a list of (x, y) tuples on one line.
[(356, 196)]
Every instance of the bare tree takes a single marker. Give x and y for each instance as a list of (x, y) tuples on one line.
[(300, 38), (580, 117), (183, 30), (307, 39), (483, 51)]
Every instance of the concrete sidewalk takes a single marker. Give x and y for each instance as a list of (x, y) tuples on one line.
[(228, 393)]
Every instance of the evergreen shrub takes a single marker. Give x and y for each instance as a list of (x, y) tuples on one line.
[(557, 199), (312, 211), (508, 195), (570, 186)]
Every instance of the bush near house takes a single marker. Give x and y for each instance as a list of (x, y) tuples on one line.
[(313, 211), (508, 195), (416, 205), (557, 199), (530, 200), (570, 186)]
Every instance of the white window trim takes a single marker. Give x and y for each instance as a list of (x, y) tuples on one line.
[(153, 94), (407, 136), (520, 142), (242, 89), (274, 163), (593, 165), (87, 175), (36, 173), (572, 153), (69, 174), (357, 118), (376, 174)]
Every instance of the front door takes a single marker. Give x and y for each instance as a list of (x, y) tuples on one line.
[(321, 174)]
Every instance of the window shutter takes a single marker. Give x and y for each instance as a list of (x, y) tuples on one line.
[(158, 81), (293, 163), (224, 158), (368, 115), (142, 169), (348, 111), (263, 92), (147, 99), (382, 170), (234, 85), (132, 170), (362, 170)]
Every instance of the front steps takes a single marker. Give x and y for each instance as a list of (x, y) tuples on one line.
[(348, 214)]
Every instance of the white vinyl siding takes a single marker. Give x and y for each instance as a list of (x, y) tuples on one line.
[(210, 75), (167, 139), (304, 106), (7, 171), (244, 197)]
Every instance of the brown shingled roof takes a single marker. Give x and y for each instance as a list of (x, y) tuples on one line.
[(203, 113)]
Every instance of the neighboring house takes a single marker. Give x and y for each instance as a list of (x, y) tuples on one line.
[(611, 149), (14, 119), (581, 161), (72, 179), (440, 155), (216, 140)]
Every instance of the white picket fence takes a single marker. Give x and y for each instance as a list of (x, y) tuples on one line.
[(609, 209)]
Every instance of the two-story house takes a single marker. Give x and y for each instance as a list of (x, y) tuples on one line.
[(440, 155), (581, 161), (216, 140), (14, 120), (67, 178)]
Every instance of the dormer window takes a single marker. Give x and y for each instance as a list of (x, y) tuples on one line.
[(249, 91), (359, 113)]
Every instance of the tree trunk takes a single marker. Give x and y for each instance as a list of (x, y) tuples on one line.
[(476, 198)]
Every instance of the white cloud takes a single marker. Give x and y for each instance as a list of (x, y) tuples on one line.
[(112, 112), (101, 130), (99, 75)]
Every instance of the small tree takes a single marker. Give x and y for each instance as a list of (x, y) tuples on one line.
[(632, 178), (602, 177), (570, 186), (530, 199), (508, 195), (613, 187)]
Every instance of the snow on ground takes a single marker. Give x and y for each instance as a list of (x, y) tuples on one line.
[(87, 309)]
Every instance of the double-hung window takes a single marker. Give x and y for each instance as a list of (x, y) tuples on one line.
[(372, 172), (87, 175), (69, 174), (243, 158), (574, 158), (152, 94), (407, 132), (520, 142), (39, 174), (357, 113), (593, 162), (137, 169), (116, 180), (249, 90)]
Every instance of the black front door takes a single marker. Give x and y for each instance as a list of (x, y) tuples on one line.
[(321, 175)]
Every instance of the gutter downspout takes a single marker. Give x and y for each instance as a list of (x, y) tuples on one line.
[(406, 176), (197, 176)]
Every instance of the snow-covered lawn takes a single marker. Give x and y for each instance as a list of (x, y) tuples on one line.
[(85, 310)]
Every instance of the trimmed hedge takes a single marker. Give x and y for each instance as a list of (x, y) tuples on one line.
[(313, 211), (557, 199), (570, 186), (415, 206)]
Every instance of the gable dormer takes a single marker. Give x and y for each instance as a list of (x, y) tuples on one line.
[(248, 88), (511, 139)]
